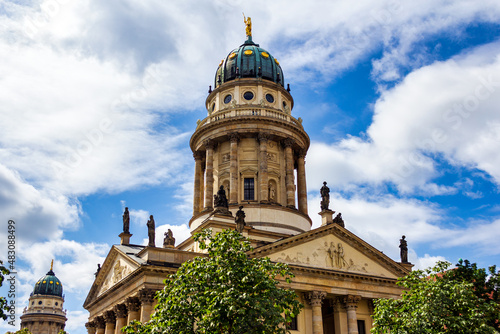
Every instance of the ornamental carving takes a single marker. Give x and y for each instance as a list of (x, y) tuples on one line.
[(226, 157), (272, 157), (119, 272), (315, 298)]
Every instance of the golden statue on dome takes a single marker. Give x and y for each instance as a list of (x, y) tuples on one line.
[(248, 23)]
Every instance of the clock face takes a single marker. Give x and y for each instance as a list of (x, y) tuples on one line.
[(227, 99), (269, 98), (248, 96)]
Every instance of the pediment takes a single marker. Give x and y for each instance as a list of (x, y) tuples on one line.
[(334, 249), (120, 268)]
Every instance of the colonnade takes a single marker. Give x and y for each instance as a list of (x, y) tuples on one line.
[(134, 308), (204, 174), (348, 303)]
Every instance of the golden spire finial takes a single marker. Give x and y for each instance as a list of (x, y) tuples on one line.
[(248, 23), (51, 264)]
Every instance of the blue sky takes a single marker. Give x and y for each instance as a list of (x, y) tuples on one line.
[(98, 100)]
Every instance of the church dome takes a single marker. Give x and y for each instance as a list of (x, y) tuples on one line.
[(249, 61), (48, 285)]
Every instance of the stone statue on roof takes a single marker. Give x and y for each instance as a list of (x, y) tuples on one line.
[(151, 231), (126, 221), (240, 219), (169, 240), (403, 245), (220, 200), (325, 197)]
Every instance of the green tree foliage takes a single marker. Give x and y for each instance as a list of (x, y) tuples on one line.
[(21, 331), (438, 300), (4, 307), (224, 292)]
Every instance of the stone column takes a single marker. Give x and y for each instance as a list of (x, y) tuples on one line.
[(289, 178), (233, 168), (133, 307), (264, 176), (209, 171), (90, 327), (146, 296), (100, 325), (197, 182), (315, 299), (301, 182), (110, 319), (121, 317), (351, 304)]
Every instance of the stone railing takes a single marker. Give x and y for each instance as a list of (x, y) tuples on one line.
[(258, 112)]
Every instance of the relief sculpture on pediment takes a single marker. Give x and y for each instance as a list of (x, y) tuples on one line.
[(327, 256)]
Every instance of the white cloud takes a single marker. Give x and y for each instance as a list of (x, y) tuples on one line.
[(444, 110), (425, 262)]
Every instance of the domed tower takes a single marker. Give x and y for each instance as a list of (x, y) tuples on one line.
[(45, 314), (251, 145)]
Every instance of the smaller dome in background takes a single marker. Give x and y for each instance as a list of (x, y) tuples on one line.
[(249, 61), (48, 285)]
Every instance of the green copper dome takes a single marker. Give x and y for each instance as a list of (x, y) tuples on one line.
[(48, 285), (249, 61)]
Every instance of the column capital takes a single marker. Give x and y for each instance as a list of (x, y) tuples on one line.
[(288, 142), (147, 296), (133, 304), (99, 322), (302, 153), (263, 137), (315, 298), (90, 325), (120, 310), (198, 155), (233, 137), (351, 302), (209, 143), (110, 317)]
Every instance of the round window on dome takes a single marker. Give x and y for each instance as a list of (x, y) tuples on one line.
[(269, 98), (248, 96), (57, 303), (228, 98), (40, 302)]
